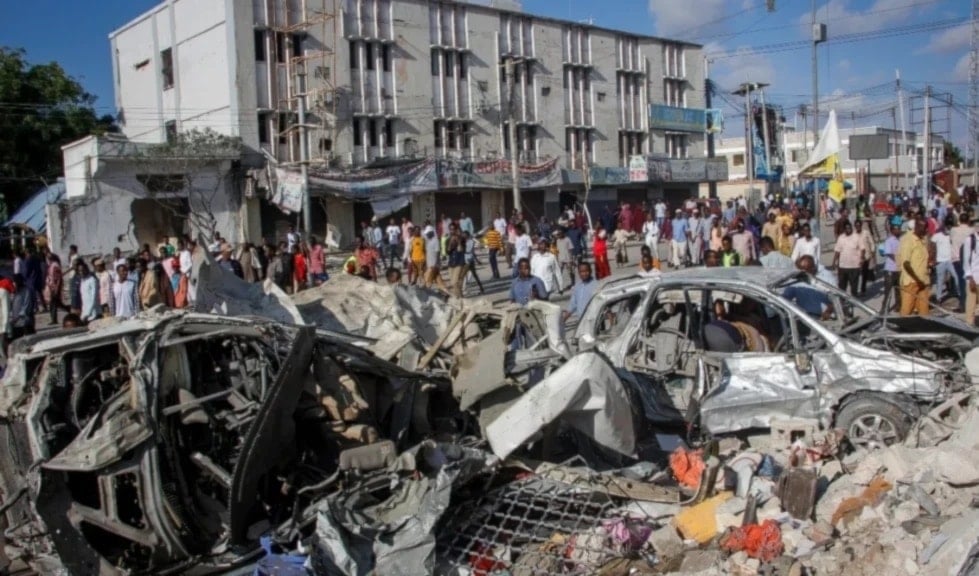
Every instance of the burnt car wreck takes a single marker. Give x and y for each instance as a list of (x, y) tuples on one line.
[(169, 442)]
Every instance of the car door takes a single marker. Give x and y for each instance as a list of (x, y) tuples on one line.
[(752, 388)]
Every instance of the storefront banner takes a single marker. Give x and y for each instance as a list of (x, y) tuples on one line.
[(289, 190), (688, 169)]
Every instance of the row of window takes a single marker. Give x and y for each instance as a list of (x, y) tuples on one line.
[(371, 49), (450, 59), (280, 40)]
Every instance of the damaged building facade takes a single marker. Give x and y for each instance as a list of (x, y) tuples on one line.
[(391, 83)]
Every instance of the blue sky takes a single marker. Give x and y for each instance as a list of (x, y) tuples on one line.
[(746, 42)]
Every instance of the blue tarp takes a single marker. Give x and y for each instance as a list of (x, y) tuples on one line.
[(31, 213)]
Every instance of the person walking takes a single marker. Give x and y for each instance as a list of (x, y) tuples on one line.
[(433, 274), (650, 234), (848, 257), (455, 248), (544, 265), (944, 270), (470, 244), (493, 241), (522, 245), (869, 265), (695, 245), (600, 254), (52, 286), (912, 260), (678, 243), (416, 250)]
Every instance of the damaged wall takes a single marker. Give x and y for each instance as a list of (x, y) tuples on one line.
[(117, 210)]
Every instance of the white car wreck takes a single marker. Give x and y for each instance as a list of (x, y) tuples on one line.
[(727, 350)]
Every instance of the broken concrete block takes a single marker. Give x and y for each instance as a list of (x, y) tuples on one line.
[(867, 469), (907, 510), (701, 560), (949, 556), (820, 532), (786, 432), (699, 522), (668, 547), (740, 565)]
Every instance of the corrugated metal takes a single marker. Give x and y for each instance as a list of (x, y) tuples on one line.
[(31, 213)]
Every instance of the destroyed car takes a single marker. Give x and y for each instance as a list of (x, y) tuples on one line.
[(733, 349), (171, 443)]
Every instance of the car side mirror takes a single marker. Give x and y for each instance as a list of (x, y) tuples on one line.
[(803, 362)]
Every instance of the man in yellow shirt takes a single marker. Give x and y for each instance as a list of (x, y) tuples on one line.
[(493, 241), (416, 251), (912, 261)]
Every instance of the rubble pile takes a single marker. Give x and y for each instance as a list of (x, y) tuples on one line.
[(364, 429)]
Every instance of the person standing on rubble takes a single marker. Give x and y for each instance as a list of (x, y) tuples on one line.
[(526, 287), (581, 293)]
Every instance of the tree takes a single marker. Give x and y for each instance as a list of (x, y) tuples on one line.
[(42, 108), (953, 156)]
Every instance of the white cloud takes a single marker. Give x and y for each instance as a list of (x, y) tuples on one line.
[(841, 18), (842, 102), (951, 40), (961, 71), (686, 18), (730, 68), (843, 65)]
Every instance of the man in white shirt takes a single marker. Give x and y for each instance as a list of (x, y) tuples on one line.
[(806, 245), (292, 239), (544, 265), (696, 243), (848, 257), (650, 233), (521, 247), (88, 289), (660, 209), (393, 232), (959, 234), (466, 224), (186, 258), (943, 261), (124, 294)]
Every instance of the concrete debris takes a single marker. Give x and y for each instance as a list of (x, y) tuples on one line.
[(363, 429)]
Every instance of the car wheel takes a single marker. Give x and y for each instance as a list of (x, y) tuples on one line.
[(873, 423)]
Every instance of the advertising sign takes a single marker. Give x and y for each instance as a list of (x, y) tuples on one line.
[(638, 172), (663, 117)]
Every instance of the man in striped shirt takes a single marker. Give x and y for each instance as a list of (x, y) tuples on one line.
[(493, 241)]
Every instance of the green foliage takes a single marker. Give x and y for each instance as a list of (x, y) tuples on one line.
[(953, 156), (41, 110), (196, 145)]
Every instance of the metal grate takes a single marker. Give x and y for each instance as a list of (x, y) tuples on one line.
[(534, 525)]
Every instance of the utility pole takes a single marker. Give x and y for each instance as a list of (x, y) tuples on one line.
[(974, 94), (512, 131), (926, 168), (711, 185), (904, 132), (304, 151), (818, 35)]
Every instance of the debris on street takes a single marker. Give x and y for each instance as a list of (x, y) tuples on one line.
[(362, 429)]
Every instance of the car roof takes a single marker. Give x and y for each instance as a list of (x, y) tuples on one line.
[(756, 275)]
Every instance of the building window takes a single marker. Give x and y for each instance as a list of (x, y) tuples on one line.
[(449, 65), (358, 135), (389, 133), (462, 64), (676, 145), (600, 96), (283, 125), (260, 45), (435, 62), (170, 128), (437, 131), (354, 55), (297, 45), (326, 145), (166, 67), (263, 129), (369, 49), (386, 57), (280, 47), (372, 132), (545, 91), (737, 160)]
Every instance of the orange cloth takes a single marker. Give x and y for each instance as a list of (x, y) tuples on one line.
[(687, 466), (763, 541)]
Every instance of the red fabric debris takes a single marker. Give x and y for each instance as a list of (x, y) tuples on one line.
[(482, 561), (687, 466), (763, 541)]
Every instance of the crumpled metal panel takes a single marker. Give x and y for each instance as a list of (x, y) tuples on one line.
[(586, 393), (116, 430), (755, 389), (385, 524), (221, 292)]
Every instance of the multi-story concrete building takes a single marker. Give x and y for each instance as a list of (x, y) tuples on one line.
[(389, 81)]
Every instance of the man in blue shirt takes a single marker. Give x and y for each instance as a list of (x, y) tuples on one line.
[(581, 293), (526, 287), (812, 301), (678, 242)]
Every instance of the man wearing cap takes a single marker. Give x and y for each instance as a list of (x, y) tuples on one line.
[(678, 243)]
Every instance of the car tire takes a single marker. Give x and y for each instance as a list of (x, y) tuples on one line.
[(873, 422)]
